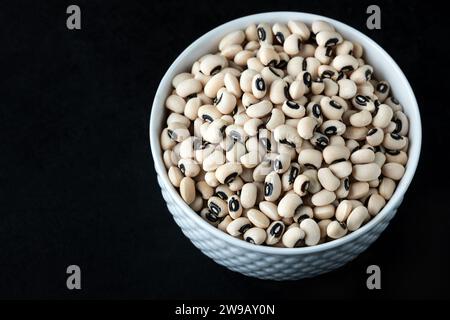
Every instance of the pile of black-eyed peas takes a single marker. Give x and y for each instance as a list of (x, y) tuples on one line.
[(284, 137)]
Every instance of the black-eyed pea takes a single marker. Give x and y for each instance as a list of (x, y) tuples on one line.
[(166, 139), (274, 232), (337, 141), (336, 229), (358, 190), (232, 84), (211, 180), (258, 219), (334, 154), (393, 170), (218, 206), (345, 63), (375, 204), (319, 141), (323, 197), (310, 157), (323, 225), (295, 66), (383, 117), (330, 88), (314, 184), (279, 91), (362, 156), (347, 88), (288, 204), (225, 102), (333, 127), (224, 223), (301, 184), (209, 113), (255, 64), (248, 195), (197, 204), (260, 109), (288, 178), (251, 32), (261, 171), (239, 226), (319, 25), (245, 80), (300, 29), (251, 159), (177, 131), (191, 108), (187, 189), (293, 109), (343, 210), (272, 186), (270, 74), (230, 51), (281, 32), (360, 119), (234, 207), (293, 237), (281, 162), (357, 50), (247, 175), (331, 108), (286, 134), (212, 64), (235, 37), (210, 217), (306, 127), (255, 235), (176, 118), (375, 137), (366, 172), (362, 74), (189, 167), (268, 56), (401, 123), (264, 33), (352, 145), (382, 89), (236, 184), (346, 47), (205, 190), (292, 44), (400, 157), (344, 188), (356, 133), (362, 102), (327, 38), (180, 78), (252, 126), (227, 172), (223, 191), (327, 179), (312, 231), (393, 141), (324, 212), (297, 89), (276, 119), (311, 65), (175, 103), (188, 87), (386, 188), (203, 150), (324, 54), (175, 176), (374, 183), (356, 218), (214, 160), (259, 87)]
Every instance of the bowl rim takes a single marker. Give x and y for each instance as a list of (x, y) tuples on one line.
[(402, 186)]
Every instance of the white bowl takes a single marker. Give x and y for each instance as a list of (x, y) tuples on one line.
[(269, 262)]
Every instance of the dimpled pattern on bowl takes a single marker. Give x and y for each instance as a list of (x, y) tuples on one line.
[(273, 266)]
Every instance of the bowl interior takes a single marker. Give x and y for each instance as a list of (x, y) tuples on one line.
[(385, 69)]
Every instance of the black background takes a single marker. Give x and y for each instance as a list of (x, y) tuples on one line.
[(77, 184)]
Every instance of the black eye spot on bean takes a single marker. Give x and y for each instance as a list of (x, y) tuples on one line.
[(235, 136), (371, 132), (396, 136), (215, 70), (274, 71), (214, 208), (394, 100), (392, 152), (268, 189), (299, 44), (368, 74), (304, 65), (335, 105), (172, 135), (194, 95), (211, 217), (260, 84), (284, 141), (307, 79), (302, 217), (244, 228), (266, 143), (293, 174), (321, 143), (327, 74), (281, 65), (377, 103), (382, 87), (343, 225), (347, 184), (292, 105), (207, 118), (304, 186), (261, 34), (182, 169), (280, 37), (217, 101), (316, 110), (235, 110), (329, 51), (361, 100), (340, 76), (338, 160), (398, 126), (331, 42), (331, 130), (250, 240), (233, 205), (222, 195), (231, 177), (286, 93), (276, 230), (278, 165), (347, 68)]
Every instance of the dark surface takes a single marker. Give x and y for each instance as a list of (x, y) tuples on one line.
[(77, 184)]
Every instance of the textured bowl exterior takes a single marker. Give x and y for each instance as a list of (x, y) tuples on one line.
[(269, 262)]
